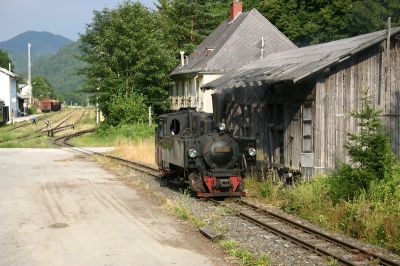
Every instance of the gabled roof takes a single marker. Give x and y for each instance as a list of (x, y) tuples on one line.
[(5, 71), (296, 65), (235, 43)]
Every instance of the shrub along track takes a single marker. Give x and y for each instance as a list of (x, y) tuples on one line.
[(38, 133), (297, 233)]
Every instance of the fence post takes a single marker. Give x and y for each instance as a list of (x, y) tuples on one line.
[(150, 116)]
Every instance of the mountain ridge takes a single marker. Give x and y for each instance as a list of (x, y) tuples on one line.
[(43, 43), (53, 57)]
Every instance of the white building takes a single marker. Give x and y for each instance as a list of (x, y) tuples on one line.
[(8, 91)]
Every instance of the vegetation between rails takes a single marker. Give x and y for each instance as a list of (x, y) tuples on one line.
[(182, 209), (28, 135)]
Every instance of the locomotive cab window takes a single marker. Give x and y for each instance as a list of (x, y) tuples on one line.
[(175, 127)]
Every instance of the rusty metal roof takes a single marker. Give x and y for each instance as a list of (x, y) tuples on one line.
[(235, 43), (296, 65)]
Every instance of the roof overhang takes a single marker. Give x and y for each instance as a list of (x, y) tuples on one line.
[(296, 66)]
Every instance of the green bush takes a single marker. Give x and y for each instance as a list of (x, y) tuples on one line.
[(128, 131), (32, 109), (126, 109)]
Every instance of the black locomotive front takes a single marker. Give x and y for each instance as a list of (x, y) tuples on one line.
[(192, 147)]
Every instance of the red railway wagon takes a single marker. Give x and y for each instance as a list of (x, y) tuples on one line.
[(47, 105)]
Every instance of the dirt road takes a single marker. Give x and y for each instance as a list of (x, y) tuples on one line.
[(57, 209)]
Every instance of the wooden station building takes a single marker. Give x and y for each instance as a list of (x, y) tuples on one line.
[(298, 102)]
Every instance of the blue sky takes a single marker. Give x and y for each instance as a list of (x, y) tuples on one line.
[(63, 17)]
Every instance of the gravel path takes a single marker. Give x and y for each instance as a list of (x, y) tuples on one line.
[(58, 208)]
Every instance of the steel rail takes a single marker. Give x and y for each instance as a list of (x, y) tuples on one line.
[(40, 131), (344, 244), (286, 234), (26, 123), (64, 141)]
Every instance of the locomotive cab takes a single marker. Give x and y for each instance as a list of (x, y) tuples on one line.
[(192, 147)]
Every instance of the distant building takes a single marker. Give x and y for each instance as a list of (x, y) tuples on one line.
[(243, 38), (8, 91)]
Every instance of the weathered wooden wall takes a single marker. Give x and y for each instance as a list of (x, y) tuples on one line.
[(340, 92), (273, 115), (266, 111)]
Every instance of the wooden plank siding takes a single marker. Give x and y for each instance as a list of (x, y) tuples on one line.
[(340, 92), (257, 109)]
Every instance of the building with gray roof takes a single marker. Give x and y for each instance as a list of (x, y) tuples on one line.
[(243, 38)]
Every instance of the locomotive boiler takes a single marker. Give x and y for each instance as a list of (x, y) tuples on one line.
[(196, 148)]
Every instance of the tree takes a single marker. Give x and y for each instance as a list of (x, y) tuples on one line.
[(370, 150), (126, 55), (314, 21), (5, 60), (42, 89), (187, 23), (371, 156)]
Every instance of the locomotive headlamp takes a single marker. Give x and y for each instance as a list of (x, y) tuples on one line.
[(192, 153), (221, 126), (252, 151)]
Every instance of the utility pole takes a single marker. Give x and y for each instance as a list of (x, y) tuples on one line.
[(150, 116), (29, 73), (97, 107)]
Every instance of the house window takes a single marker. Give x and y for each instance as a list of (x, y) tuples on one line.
[(307, 127)]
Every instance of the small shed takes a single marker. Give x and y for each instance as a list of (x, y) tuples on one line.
[(298, 102)]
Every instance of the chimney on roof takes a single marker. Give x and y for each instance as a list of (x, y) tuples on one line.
[(236, 9), (182, 58)]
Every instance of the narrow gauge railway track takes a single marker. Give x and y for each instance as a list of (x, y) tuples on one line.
[(23, 124), (64, 142), (302, 235), (307, 237), (41, 130), (68, 116), (82, 115)]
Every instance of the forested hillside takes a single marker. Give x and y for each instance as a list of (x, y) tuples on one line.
[(54, 57), (61, 70), (43, 44)]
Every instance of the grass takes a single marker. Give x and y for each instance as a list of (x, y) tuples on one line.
[(40, 140), (137, 150), (124, 135), (372, 217), (233, 248)]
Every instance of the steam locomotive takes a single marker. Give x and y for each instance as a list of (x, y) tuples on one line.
[(197, 149)]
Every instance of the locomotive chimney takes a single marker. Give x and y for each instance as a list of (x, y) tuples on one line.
[(236, 9), (218, 107)]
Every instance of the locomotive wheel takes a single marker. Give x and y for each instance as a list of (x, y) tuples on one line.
[(196, 182)]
